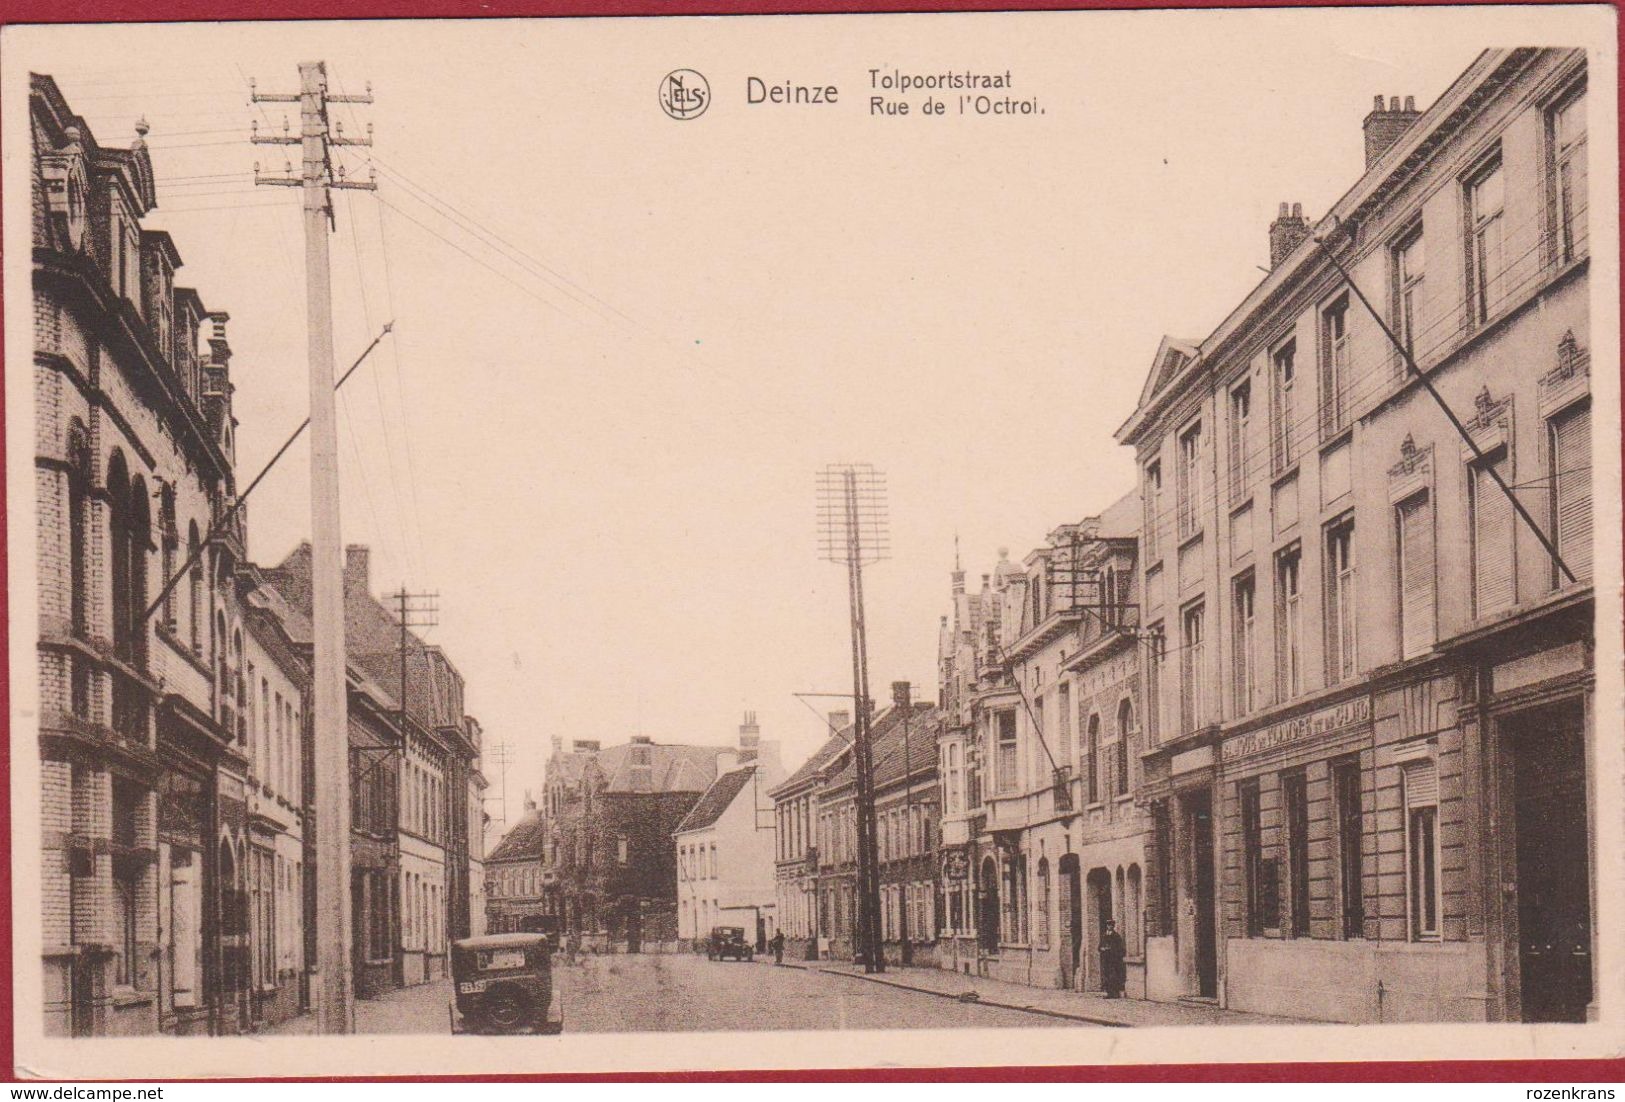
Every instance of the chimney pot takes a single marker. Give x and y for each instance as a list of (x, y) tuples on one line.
[(1393, 104), (1282, 213), (1410, 103), (1297, 210), (1376, 104)]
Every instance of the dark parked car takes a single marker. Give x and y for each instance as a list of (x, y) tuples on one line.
[(729, 942), (504, 984)]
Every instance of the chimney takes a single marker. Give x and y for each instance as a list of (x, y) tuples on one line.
[(558, 745), (840, 720), (357, 572), (1386, 125), (586, 746), (750, 738), (640, 740), (530, 803), (1289, 230), (219, 347)]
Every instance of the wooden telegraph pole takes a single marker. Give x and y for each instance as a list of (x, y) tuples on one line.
[(335, 1010)]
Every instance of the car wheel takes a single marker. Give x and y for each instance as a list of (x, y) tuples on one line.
[(505, 1009)]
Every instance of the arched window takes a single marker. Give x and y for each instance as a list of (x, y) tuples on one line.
[(118, 497), (194, 587), (222, 666), (1126, 743), (171, 540), (239, 693), (78, 525)]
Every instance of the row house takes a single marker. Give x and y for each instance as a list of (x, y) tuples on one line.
[(144, 735), (1042, 840), (1369, 682), (726, 845), (796, 829), (610, 871), (817, 869)]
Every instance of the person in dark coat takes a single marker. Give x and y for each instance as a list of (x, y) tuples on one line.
[(1113, 973), (777, 945)]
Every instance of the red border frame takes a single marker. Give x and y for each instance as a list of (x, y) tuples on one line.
[(157, 11)]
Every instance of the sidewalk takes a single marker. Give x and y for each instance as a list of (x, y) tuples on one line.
[(1077, 1006)]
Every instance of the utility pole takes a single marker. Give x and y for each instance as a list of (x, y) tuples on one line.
[(500, 757), (901, 694), (335, 1004), (852, 529)]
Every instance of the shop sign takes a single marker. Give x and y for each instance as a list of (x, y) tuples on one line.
[(1327, 721), (955, 865)]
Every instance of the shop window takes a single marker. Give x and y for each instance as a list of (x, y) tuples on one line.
[(1259, 872), (1295, 795), (1346, 789), (1421, 790)]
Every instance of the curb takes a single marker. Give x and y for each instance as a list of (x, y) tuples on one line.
[(1026, 1009)]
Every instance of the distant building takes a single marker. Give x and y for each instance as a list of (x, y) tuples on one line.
[(725, 846), (795, 871), (610, 814), (515, 877)]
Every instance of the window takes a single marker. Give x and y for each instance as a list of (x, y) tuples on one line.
[(1157, 643), (1125, 743), (1190, 481), (1153, 509), (1063, 717), (1416, 575), (1295, 794), (1243, 594), (194, 588), (1409, 266), (1261, 911), (620, 850), (1334, 365), (1283, 383), (1288, 624), (1569, 197), (1346, 790), (126, 889), (1094, 759), (1494, 586), (1241, 408), (1339, 602), (1486, 261), (1041, 933), (1421, 784), (171, 545), (1190, 667), (1570, 458), (1007, 751)]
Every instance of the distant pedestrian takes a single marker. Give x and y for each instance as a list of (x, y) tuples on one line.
[(777, 945), (1113, 973)]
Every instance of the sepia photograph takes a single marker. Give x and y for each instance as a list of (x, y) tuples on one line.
[(790, 542)]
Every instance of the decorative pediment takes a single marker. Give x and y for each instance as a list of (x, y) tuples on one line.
[(1413, 472), (1490, 425), (1569, 379), (1173, 356)]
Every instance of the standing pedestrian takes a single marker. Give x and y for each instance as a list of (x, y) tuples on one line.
[(1113, 972), (777, 945)]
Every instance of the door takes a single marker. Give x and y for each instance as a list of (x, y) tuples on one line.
[(1071, 903), (1553, 873), (987, 925), (1207, 940)]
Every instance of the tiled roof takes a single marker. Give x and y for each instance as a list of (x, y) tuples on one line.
[(673, 767), (886, 734), (523, 842), (716, 800), (820, 759)]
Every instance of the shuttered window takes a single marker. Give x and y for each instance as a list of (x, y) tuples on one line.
[(1416, 574), (1571, 490), (1493, 586)]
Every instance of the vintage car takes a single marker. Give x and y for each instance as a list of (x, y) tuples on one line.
[(729, 941), (503, 983)]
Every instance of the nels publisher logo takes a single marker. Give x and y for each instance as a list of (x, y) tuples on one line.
[(684, 94)]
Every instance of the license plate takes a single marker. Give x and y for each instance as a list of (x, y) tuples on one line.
[(472, 987), (507, 958)]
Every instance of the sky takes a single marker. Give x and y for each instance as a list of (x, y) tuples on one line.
[(625, 344)]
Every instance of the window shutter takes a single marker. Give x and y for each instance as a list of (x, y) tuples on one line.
[(1416, 574), (1421, 784), (1571, 480), (1492, 542)]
